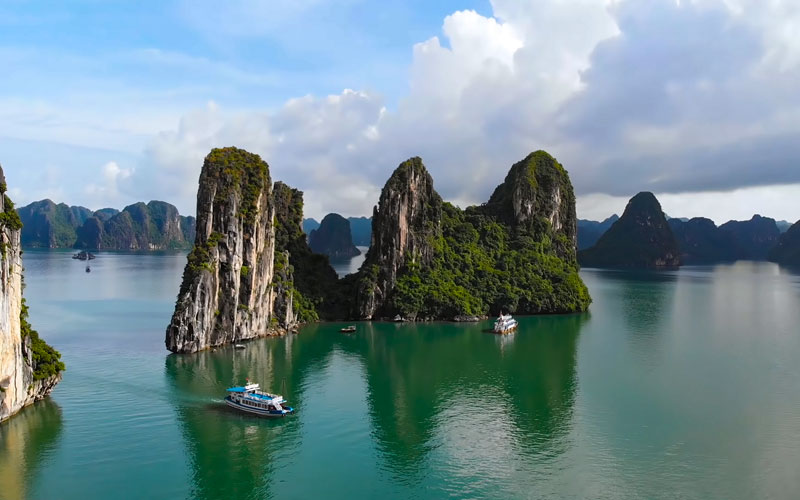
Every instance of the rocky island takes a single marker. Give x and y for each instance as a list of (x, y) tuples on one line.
[(29, 368), (516, 253), (238, 282), (156, 225), (641, 238), (251, 272), (333, 238)]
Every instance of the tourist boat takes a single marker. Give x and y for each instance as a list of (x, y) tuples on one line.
[(238, 346), (252, 400), (398, 319), (348, 329), (505, 324), (83, 255)]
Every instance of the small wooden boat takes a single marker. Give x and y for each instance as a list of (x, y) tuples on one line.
[(348, 329)]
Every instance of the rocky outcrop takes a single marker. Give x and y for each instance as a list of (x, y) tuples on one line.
[(226, 294), (156, 225), (29, 368), (50, 225), (641, 238), (314, 282), (787, 251), (431, 260), (406, 219), (333, 238)]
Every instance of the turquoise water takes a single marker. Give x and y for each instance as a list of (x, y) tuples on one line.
[(680, 384)]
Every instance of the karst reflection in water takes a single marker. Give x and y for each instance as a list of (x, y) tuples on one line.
[(26, 442), (419, 407)]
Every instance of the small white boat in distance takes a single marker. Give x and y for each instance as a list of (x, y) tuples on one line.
[(250, 399), (238, 346), (505, 324)]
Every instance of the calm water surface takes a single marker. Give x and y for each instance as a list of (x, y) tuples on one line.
[(676, 385)]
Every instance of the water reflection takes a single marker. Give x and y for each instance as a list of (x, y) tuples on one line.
[(233, 454), (461, 398), (26, 442)]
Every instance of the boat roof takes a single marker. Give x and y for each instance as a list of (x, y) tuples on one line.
[(237, 389)]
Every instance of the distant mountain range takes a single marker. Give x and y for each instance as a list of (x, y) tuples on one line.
[(156, 225), (641, 239)]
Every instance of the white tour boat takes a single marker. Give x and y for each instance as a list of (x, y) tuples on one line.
[(505, 324), (252, 400)]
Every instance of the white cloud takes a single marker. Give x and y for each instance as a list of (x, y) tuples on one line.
[(109, 191), (661, 95), (674, 97)]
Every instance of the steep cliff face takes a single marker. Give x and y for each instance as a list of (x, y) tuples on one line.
[(29, 368), (516, 253), (153, 226), (404, 224), (226, 294), (50, 225), (316, 293), (641, 238), (333, 238), (787, 251), (537, 198)]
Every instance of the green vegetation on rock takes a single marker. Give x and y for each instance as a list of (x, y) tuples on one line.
[(514, 254), (46, 361)]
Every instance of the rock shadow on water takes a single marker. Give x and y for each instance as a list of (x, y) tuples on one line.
[(27, 440)]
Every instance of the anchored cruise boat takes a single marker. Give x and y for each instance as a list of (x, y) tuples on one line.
[(251, 400), (505, 324)]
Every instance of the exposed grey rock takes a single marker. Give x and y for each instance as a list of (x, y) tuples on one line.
[(17, 385)]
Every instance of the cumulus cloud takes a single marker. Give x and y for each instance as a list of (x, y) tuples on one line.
[(108, 191), (660, 95)]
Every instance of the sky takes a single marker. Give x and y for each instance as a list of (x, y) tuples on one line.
[(108, 103)]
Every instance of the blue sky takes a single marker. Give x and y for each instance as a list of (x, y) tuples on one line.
[(104, 103)]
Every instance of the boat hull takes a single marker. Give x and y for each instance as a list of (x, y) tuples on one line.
[(258, 411)]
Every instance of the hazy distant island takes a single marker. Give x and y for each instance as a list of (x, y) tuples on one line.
[(787, 251), (29, 367), (333, 238), (156, 225), (360, 229), (429, 259), (641, 239)]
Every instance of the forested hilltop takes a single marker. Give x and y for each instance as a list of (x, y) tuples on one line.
[(515, 253), (156, 225)]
